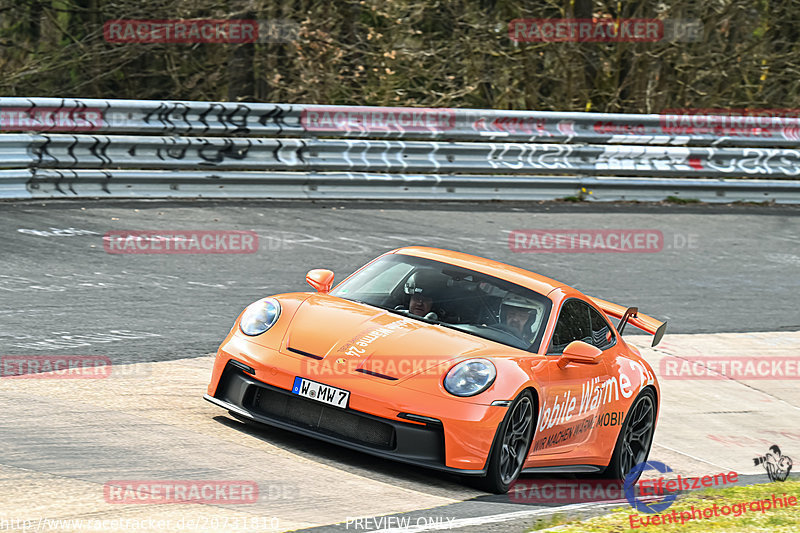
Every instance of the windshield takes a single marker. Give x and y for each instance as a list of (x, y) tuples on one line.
[(454, 297)]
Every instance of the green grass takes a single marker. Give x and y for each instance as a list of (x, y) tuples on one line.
[(549, 521), (785, 520), (679, 200), (580, 197)]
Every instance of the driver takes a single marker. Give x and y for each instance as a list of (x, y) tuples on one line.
[(424, 288), (519, 314)]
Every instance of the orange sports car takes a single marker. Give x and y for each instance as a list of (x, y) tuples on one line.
[(449, 361)]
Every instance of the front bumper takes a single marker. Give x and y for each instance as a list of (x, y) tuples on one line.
[(247, 398)]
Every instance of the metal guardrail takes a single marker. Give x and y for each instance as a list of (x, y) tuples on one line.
[(124, 148), (106, 151), (362, 185), (225, 118)]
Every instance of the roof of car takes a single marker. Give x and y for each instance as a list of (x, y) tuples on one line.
[(519, 276)]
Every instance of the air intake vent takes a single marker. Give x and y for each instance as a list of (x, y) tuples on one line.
[(376, 374), (301, 352)]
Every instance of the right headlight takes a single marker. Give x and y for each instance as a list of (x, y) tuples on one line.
[(260, 316), (470, 377)]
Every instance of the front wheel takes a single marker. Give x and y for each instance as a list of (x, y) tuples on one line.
[(510, 447), (635, 437)]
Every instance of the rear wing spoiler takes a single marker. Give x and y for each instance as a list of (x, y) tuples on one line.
[(633, 316)]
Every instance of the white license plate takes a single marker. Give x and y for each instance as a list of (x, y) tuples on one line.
[(321, 393)]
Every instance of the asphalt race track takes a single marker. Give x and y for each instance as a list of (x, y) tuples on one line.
[(726, 279)]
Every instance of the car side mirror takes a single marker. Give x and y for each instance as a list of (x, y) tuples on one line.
[(581, 353), (321, 279)]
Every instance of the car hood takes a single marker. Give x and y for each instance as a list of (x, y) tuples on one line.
[(365, 339)]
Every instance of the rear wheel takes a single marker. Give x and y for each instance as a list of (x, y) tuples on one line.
[(635, 437), (511, 444)]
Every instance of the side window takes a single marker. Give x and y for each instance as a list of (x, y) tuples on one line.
[(602, 336), (573, 325)]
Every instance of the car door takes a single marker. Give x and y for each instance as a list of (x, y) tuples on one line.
[(568, 414)]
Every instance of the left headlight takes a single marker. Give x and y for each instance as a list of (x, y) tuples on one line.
[(260, 316), (470, 377)]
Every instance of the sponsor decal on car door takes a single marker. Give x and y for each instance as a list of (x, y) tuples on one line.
[(579, 393)]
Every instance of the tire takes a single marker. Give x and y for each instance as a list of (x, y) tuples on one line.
[(510, 448), (635, 437)]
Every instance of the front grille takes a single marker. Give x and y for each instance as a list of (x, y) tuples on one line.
[(333, 421)]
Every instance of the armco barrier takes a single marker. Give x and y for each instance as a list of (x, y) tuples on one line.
[(62, 148)]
